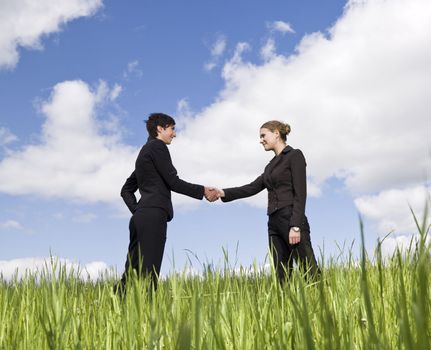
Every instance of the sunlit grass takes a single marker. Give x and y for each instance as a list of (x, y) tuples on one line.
[(371, 304)]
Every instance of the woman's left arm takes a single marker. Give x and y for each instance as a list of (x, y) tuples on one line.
[(163, 163), (230, 194), (128, 192), (299, 182)]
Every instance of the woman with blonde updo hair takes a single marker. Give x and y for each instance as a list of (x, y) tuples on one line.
[(285, 179)]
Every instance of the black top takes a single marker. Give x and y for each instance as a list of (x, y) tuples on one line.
[(155, 177), (285, 179)]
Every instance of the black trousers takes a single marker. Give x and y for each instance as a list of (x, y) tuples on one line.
[(147, 243), (285, 254)]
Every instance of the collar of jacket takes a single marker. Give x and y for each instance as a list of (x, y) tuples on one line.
[(152, 139), (287, 149), (270, 167)]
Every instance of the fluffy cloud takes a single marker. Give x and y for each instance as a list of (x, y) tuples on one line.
[(133, 70), (79, 156), (391, 208), (47, 266), (6, 136), (404, 243), (217, 51), (268, 50), (280, 26), (357, 98), (24, 22)]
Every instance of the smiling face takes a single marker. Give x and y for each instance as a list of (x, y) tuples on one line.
[(166, 134), (269, 139)]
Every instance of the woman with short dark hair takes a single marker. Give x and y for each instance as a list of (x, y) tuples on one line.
[(155, 177)]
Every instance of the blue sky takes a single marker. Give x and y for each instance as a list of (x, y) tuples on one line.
[(77, 81)]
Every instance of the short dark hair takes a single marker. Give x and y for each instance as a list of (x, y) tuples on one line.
[(158, 119)]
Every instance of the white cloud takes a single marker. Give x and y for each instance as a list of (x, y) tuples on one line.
[(184, 114), (183, 109), (116, 91), (41, 267), (391, 208), (232, 68), (403, 243), (218, 47), (217, 50), (6, 136), (357, 100), (11, 225), (280, 26), (75, 158), (24, 22), (268, 50), (133, 70), (79, 156), (209, 66)]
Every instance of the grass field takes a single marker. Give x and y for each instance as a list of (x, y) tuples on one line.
[(370, 304)]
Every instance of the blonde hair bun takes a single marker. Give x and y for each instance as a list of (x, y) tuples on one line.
[(283, 128)]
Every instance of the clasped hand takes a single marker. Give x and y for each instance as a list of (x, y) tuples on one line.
[(212, 194)]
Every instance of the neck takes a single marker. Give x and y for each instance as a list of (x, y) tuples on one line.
[(159, 138), (279, 147)]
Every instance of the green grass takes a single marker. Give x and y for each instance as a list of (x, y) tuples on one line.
[(376, 304)]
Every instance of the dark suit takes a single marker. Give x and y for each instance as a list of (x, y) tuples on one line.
[(155, 177), (285, 179)]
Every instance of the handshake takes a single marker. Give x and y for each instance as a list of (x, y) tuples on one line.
[(212, 194)]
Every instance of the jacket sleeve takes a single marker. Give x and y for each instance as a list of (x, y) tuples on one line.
[(163, 163), (245, 191), (128, 192), (299, 181)]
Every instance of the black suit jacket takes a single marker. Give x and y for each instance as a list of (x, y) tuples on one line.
[(155, 177), (285, 179)]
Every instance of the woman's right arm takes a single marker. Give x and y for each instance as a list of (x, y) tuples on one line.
[(245, 191)]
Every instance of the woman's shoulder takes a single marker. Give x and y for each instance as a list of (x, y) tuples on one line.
[(157, 149), (294, 154), (289, 150), (298, 157), (156, 144)]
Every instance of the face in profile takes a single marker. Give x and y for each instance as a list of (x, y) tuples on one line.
[(268, 139), (166, 134)]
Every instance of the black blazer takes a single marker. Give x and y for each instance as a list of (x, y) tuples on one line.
[(155, 177), (285, 179)]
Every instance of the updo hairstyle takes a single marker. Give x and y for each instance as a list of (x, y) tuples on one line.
[(282, 128)]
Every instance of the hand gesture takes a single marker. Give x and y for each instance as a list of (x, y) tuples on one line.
[(211, 194)]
